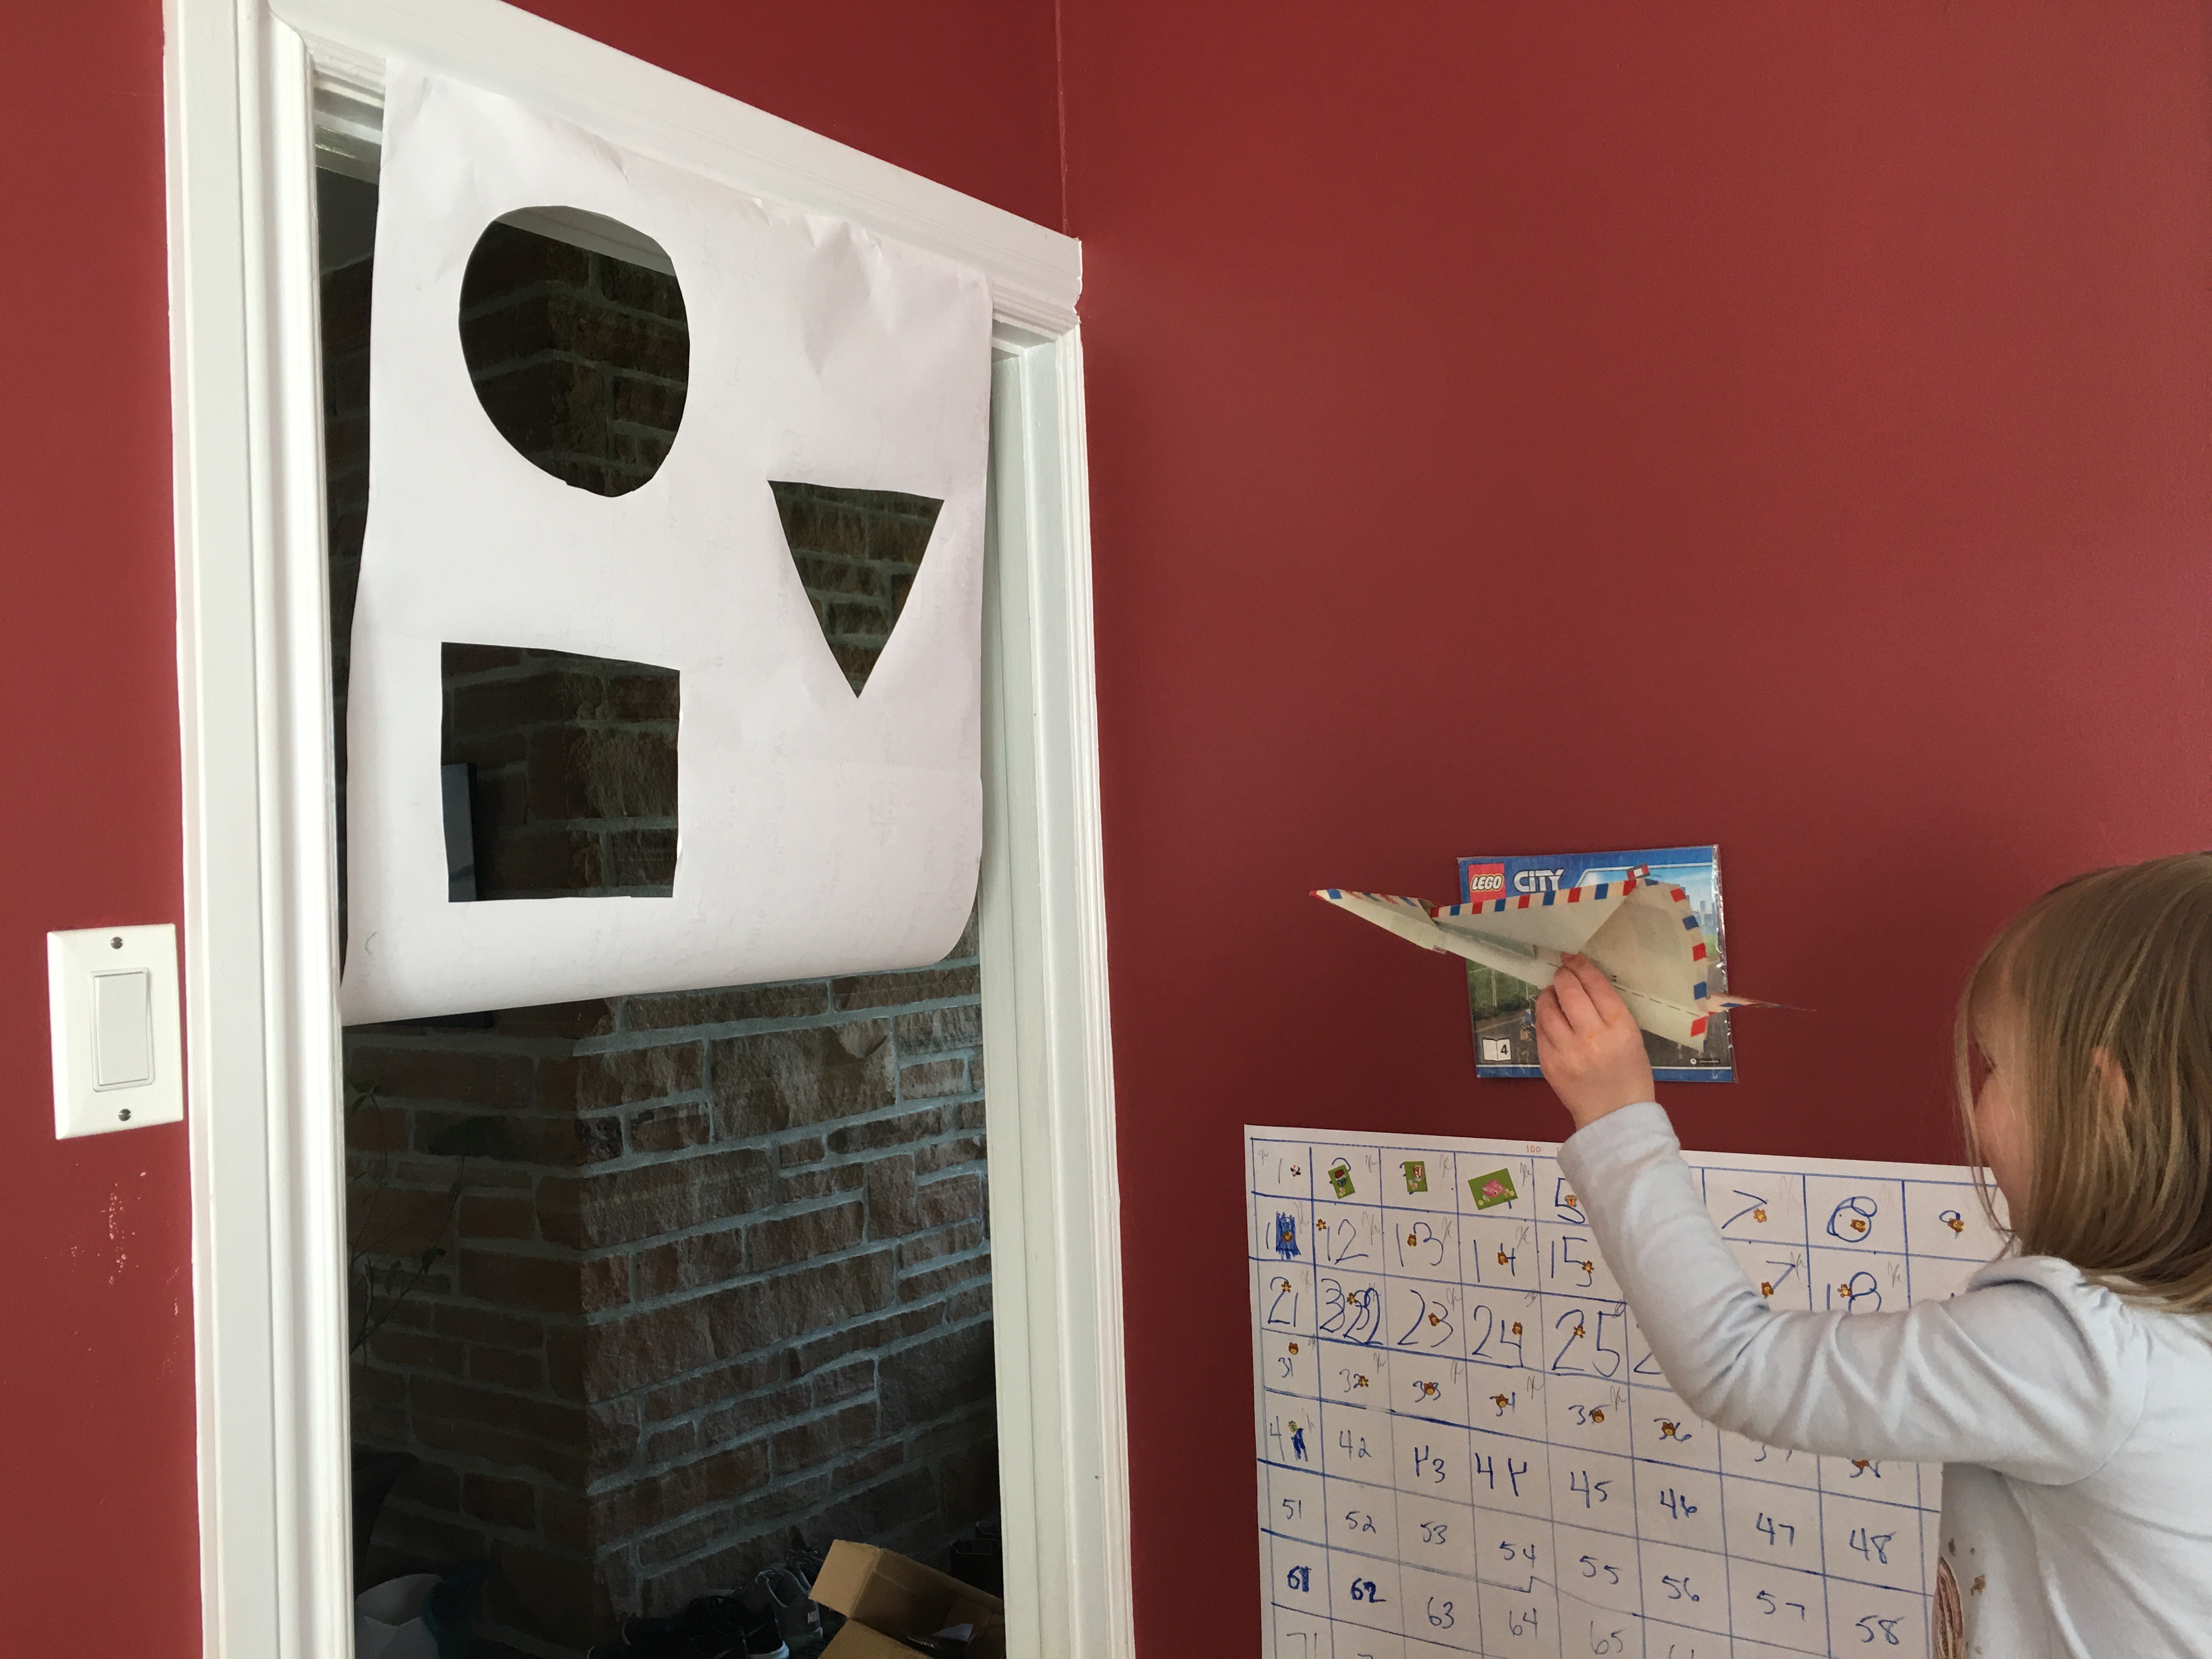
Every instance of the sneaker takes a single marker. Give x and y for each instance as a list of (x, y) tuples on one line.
[(764, 1638), (980, 1560), (680, 1638), (725, 1627), (789, 1594), (751, 1632)]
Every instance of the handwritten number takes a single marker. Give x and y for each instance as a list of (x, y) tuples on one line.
[(1609, 1359), (1574, 1322), (1420, 1312), (1757, 1203)]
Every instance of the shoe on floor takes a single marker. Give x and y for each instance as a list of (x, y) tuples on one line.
[(764, 1637), (789, 1595), (725, 1627)]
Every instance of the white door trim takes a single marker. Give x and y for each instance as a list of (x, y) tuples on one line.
[(241, 78)]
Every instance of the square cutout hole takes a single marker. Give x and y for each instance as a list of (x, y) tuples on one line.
[(559, 775)]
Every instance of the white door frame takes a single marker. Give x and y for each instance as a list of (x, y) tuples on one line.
[(260, 935)]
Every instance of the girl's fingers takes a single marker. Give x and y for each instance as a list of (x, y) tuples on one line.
[(1600, 989), (1574, 1000), (1551, 1025)]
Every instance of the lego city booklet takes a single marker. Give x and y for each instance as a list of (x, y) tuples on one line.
[(1502, 1006)]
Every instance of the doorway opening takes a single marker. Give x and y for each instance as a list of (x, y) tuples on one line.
[(650, 1294)]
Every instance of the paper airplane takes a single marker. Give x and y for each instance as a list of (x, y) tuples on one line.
[(1642, 933)]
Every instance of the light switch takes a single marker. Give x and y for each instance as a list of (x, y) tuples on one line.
[(122, 1030), (117, 1039)]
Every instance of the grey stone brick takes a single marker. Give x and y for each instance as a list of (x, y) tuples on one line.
[(620, 1077), (939, 1155), (781, 1241), (785, 1305), (778, 1080), (877, 1133), (658, 1499), (927, 1080), (669, 1128), (914, 984), (725, 1006), (934, 1031), (622, 1355), (935, 1376), (859, 1337), (890, 1195), (686, 1264), (727, 1382), (955, 1198), (947, 1241), (820, 1439), (620, 1206)]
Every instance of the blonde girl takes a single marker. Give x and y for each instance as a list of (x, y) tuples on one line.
[(2068, 1390)]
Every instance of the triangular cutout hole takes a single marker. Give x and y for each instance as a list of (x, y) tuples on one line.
[(857, 552)]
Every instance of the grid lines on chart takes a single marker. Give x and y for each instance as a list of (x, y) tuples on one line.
[(1465, 1446)]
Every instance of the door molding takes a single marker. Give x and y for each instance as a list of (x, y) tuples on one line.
[(244, 81)]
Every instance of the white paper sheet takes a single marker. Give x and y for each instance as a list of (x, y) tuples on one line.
[(1464, 1445), (819, 832)]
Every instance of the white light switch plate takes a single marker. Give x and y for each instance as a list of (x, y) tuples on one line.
[(119, 1044)]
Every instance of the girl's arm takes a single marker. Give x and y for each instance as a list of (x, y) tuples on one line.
[(2032, 1372)]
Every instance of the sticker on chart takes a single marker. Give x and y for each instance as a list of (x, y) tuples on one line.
[(1339, 1178), (1496, 1188), (1417, 1175)]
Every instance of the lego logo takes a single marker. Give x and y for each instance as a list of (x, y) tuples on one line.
[(1484, 878)]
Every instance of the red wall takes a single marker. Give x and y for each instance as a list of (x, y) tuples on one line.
[(965, 92), (1519, 428), (98, 1542), (97, 1501)]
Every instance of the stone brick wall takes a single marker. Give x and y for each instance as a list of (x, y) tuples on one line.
[(654, 1286), (717, 1281)]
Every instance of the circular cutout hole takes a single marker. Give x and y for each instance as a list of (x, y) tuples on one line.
[(574, 331)]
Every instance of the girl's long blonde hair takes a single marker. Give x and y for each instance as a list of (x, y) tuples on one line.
[(2109, 978)]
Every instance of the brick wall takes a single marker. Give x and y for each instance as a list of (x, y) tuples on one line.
[(659, 1285), (717, 1280)]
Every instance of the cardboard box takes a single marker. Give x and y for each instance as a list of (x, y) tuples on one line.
[(889, 1601)]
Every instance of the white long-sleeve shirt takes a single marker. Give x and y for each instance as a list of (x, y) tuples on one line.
[(2074, 1427)]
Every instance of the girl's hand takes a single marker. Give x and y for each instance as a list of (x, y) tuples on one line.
[(1588, 1043)]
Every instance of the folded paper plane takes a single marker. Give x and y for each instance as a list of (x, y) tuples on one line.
[(1643, 934)]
